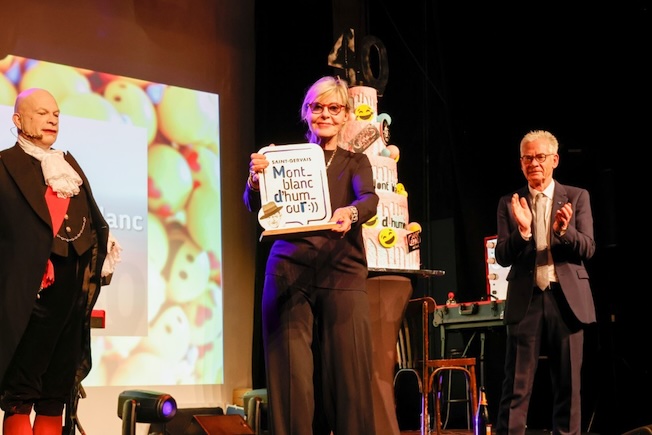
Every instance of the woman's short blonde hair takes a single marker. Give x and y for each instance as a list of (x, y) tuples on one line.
[(324, 87)]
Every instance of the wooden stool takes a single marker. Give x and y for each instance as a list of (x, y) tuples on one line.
[(441, 366)]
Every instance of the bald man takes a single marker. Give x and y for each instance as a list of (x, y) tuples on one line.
[(53, 243)]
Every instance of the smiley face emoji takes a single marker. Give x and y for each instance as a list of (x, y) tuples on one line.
[(400, 189), (387, 237), (371, 222), (363, 112)]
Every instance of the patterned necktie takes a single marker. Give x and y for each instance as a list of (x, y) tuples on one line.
[(541, 235)]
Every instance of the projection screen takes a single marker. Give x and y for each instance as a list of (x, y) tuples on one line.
[(151, 152)]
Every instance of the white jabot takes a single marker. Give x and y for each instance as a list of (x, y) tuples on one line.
[(65, 181), (58, 173)]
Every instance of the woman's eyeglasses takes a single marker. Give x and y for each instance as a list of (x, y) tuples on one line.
[(333, 108)]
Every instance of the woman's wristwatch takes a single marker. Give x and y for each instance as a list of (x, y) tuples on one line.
[(354, 213), (250, 182)]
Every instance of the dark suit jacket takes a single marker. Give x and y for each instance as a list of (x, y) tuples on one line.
[(568, 252), (25, 245), (326, 260)]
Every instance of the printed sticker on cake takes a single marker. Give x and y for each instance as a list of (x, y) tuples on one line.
[(294, 187), (414, 241), (371, 222), (387, 237), (364, 139), (385, 120)]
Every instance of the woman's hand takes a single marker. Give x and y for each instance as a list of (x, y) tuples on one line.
[(343, 217), (257, 164)]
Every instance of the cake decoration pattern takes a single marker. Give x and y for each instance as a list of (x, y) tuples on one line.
[(391, 240)]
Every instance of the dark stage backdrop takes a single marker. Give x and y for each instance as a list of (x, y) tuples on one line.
[(204, 46), (466, 81)]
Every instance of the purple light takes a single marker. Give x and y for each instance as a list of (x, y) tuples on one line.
[(169, 408)]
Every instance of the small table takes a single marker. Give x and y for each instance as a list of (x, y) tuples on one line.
[(480, 316), (389, 292)]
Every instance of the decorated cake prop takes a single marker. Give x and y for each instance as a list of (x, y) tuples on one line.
[(391, 240)]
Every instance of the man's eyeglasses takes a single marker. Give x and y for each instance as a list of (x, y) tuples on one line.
[(333, 108), (540, 158)]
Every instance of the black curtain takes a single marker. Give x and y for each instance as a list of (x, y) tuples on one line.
[(466, 82)]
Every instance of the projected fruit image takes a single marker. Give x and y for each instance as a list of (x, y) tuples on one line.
[(6, 63), (131, 101), (60, 80), (188, 117), (204, 166), (7, 91), (187, 271), (169, 180), (91, 106), (202, 217)]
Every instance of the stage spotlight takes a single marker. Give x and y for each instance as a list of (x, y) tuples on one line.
[(144, 407)]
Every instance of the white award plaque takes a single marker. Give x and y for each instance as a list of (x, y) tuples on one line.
[(294, 191)]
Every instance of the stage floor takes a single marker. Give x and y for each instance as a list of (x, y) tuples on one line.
[(470, 432)]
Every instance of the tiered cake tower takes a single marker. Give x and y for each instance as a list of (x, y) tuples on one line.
[(391, 240)]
